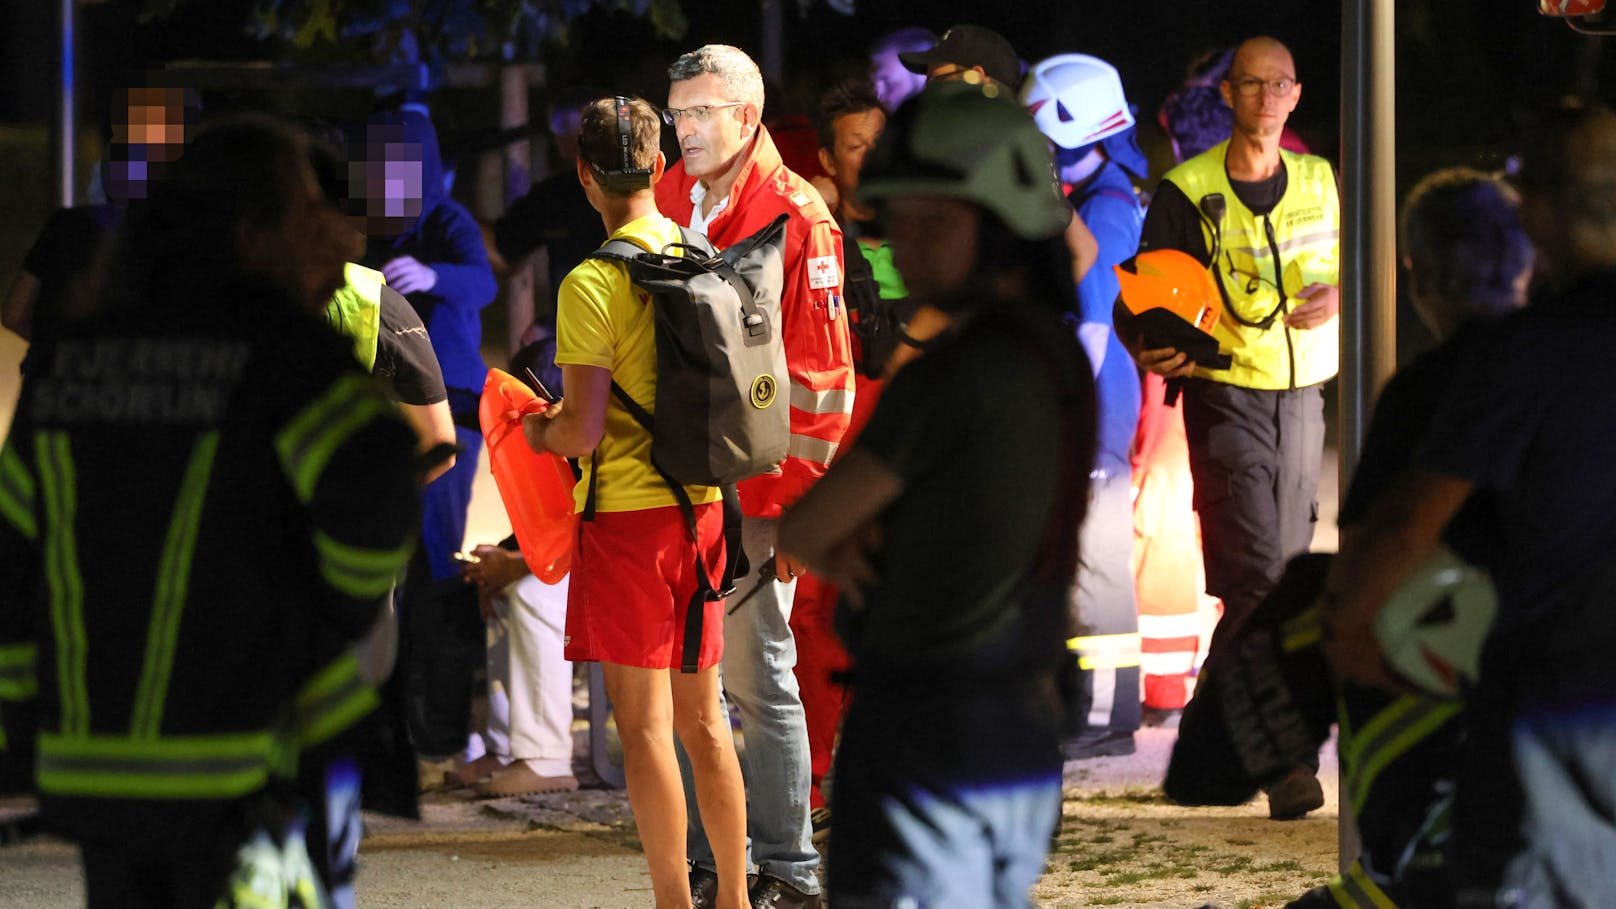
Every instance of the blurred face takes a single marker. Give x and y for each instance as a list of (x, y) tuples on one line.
[(711, 135), (147, 137), (934, 243), (153, 117), (388, 175), (1261, 89), (893, 83), (304, 253), (855, 136)]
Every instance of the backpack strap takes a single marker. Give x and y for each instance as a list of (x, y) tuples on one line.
[(618, 250), (624, 251), (735, 562), (756, 326)]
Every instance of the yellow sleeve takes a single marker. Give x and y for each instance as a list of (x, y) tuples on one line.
[(584, 332)]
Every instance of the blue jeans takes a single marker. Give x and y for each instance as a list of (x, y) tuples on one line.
[(926, 815), (759, 654)]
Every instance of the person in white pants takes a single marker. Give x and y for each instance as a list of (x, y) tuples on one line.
[(526, 745)]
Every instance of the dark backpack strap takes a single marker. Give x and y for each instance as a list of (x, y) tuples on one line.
[(617, 251), (736, 564), (594, 480), (755, 325), (706, 590), (695, 241), (624, 251)]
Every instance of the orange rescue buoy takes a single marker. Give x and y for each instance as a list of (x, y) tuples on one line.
[(536, 488)]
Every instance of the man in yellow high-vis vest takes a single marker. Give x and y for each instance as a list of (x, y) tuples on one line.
[(1266, 223)]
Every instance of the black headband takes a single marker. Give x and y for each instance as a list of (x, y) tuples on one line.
[(628, 178)]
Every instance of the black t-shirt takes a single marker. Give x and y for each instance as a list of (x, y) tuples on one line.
[(404, 357), (556, 215), (1173, 220), (64, 249), (972, 428), (1403, 413), (1526, 418)]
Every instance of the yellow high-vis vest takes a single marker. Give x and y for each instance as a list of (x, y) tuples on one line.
[(355, 310), (1263, 262)]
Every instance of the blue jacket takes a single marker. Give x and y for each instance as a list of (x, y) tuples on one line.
[(445, 237), (1109, 207)]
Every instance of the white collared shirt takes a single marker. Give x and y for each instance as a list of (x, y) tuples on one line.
[(698, 192)]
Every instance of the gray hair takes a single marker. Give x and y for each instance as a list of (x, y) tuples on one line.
[(734, 69), (1464, 240)]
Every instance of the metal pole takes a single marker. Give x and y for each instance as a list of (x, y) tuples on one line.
[(66, 169), (1368, 248), (773, 63), (1368, 217)]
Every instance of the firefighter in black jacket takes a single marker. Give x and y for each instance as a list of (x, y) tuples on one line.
[(199, 482)]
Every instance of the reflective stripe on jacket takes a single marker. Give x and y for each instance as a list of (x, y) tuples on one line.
[(168, 555)]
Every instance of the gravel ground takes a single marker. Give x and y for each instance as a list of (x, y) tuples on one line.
[(1121, 844)]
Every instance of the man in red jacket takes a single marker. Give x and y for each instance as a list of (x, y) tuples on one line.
[(730, 182)]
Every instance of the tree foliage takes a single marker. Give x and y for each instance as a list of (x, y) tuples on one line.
[(428, 31)]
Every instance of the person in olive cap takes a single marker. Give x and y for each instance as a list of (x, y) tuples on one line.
[(965, 492), (966, 49)]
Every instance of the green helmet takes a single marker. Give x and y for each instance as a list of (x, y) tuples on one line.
[(971, 142)]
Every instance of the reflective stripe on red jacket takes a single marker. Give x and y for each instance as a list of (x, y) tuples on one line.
[(819, 355)]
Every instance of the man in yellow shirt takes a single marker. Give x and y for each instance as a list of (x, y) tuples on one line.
[(634, 571)]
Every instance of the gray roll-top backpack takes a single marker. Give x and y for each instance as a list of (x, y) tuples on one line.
[(723, 409)]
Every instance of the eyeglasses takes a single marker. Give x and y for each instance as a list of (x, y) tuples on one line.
[(1279, 88), (701, 113)]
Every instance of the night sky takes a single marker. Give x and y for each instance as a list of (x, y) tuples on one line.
[(1467, 71), (1470, 75)]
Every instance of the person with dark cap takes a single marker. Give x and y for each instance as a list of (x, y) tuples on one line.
[(966, 49), (948, 779)]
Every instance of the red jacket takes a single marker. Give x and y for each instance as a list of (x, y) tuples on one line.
[(819, 355)]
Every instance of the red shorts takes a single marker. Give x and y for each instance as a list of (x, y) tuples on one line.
[(633, 575)]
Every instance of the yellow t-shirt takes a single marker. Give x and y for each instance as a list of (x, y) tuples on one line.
[(603, 320)]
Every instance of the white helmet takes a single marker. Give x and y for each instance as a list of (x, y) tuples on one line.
[(1076, 99), (1432, 627)]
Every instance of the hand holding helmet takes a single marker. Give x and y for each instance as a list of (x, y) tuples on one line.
[(1166, 313)]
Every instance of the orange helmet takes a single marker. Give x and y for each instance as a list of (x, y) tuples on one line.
[(1171, 280)]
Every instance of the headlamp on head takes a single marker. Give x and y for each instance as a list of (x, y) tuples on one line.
[(628, 178)]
